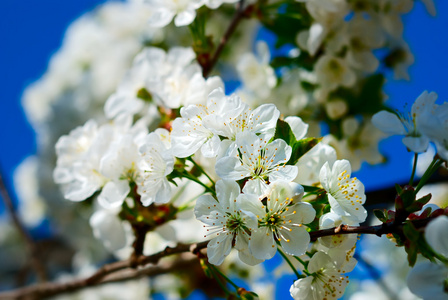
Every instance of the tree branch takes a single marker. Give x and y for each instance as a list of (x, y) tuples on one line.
[(32, 248), (118, 271), (127, 269), (240, 14)]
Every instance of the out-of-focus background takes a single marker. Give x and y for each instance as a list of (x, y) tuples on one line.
[(31, 31)]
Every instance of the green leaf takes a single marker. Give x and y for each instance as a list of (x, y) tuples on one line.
[(411, 232), (311, 189), (398, 188), (286, 25), (299, 148), (411, 250), (380, 214)]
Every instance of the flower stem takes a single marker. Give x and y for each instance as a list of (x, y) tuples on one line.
[(218, 280), (215, 269), (289, 263), (414, 167), (434, 166), (195, 179), (201, 170)]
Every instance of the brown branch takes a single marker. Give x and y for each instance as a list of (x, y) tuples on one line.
[(126, 269), (240, 14), (31, 246), (118, 271)]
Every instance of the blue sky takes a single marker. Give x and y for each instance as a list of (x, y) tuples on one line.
[(31, 31)]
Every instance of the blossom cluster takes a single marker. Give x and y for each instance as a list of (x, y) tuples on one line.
[(255, 206), (163, 153)]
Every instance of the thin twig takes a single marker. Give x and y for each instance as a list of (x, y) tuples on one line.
[(32, 248), (240, 13), (114, 272)]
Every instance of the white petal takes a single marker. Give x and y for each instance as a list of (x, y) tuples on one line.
[(416, 144), (206, 206), (161, 18), (109, 229), (298, 127), (305, 213), (251, 206), (257, 187), (113, 194), (436, 234), (317, 34), (286, 173), (211, 147), (227, 191), (80, 190), (262, 244), (230, 168), (301, 289), (426, 281), (185, 18), (246, 257), (297, 240), (388, 123), (218, 248)]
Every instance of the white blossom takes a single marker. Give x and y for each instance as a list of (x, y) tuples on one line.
[(309, 165), (189, 132), (345, 194), (325, 281), (332, 72), (259, 161), (410, 124), (157, 162), (229, 226), (256, 73), (279, 219)]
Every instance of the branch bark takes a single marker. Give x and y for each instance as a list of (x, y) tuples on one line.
[(146, 265), (32, 248), (240, 14)]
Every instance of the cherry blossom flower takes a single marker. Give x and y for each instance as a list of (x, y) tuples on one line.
[(259, 161), (256, 73), (345, 194), (229, 226), (332, 72), (324, 282), (279, 219), (156, 163), (409, 125), (261, 120), (189, 132)]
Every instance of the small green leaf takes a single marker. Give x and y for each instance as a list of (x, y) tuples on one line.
[(411, 250), (380, 214), (411, 232), (398, 188), (299, 147)]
